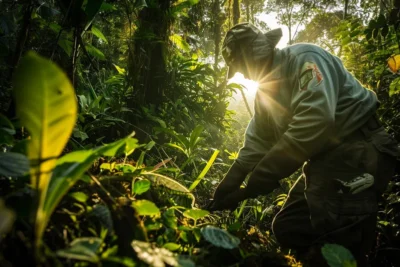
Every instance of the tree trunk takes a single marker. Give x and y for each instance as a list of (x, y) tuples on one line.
[(147, 66), (247, 10), (21, 41), (217, 36), (236, 11), (346, 6)]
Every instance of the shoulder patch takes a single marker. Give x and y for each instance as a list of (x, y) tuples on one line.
[(309, 71)]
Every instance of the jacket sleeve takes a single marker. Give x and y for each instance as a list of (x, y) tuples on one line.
[(257, 141), (314, 94)]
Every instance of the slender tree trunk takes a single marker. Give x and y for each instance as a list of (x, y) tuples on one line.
[(252, 14), (236, 11), (217, 36), (147, 64), (346, 6), (247, 10), (21, 41)]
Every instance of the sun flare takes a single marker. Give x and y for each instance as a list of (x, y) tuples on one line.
[(250, 85)]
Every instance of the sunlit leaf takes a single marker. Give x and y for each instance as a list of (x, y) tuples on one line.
[(195, 214), (130, 146), (170, 183), (179, 42), (338, 256), (96, 31), (107, 7), (93, 51), (219, 237), (141, 186), (176, 146), (119, 69), (204, 171), (394, 87), (79, 196), (172, 246), (145, 208), (394, 63), (46, 105)]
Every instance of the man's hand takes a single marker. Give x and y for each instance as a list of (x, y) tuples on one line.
[(229, 202), (232, 181)]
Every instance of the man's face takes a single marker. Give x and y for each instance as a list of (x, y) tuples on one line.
[(250, 69)]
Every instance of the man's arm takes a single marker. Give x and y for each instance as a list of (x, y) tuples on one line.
[(313, 105), (256, 143)]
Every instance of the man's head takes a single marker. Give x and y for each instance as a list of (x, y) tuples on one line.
[(247, 50)]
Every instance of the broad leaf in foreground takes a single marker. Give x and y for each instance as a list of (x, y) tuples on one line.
[(46, 105), (220, 237)]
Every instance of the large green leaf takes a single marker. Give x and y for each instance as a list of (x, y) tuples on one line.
[(195, 136), (84, 248), (95, 52), (145, 207), (91, 10), (170, 183), (96, 31), (140, 186), (338, 256), (71, 167), (219, 237), (13, 164), (46, 105), (195, 214)]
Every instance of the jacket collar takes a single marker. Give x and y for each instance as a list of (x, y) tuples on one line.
[(276, 68)]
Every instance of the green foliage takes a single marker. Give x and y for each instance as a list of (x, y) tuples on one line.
[(46, 106), (146, 208), (13, 164), (195, 214), (204, 171), (84, 248), (140, 186), (155, 67), (338, 256), (219, 237), (158, 257)]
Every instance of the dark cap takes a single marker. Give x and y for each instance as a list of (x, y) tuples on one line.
[(246, 40)]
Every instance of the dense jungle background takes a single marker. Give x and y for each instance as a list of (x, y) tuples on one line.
[(132, 124)]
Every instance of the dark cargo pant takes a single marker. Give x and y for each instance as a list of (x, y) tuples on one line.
[(317, 211)]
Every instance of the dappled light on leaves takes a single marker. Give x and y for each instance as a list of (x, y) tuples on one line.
[(394, 63)]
